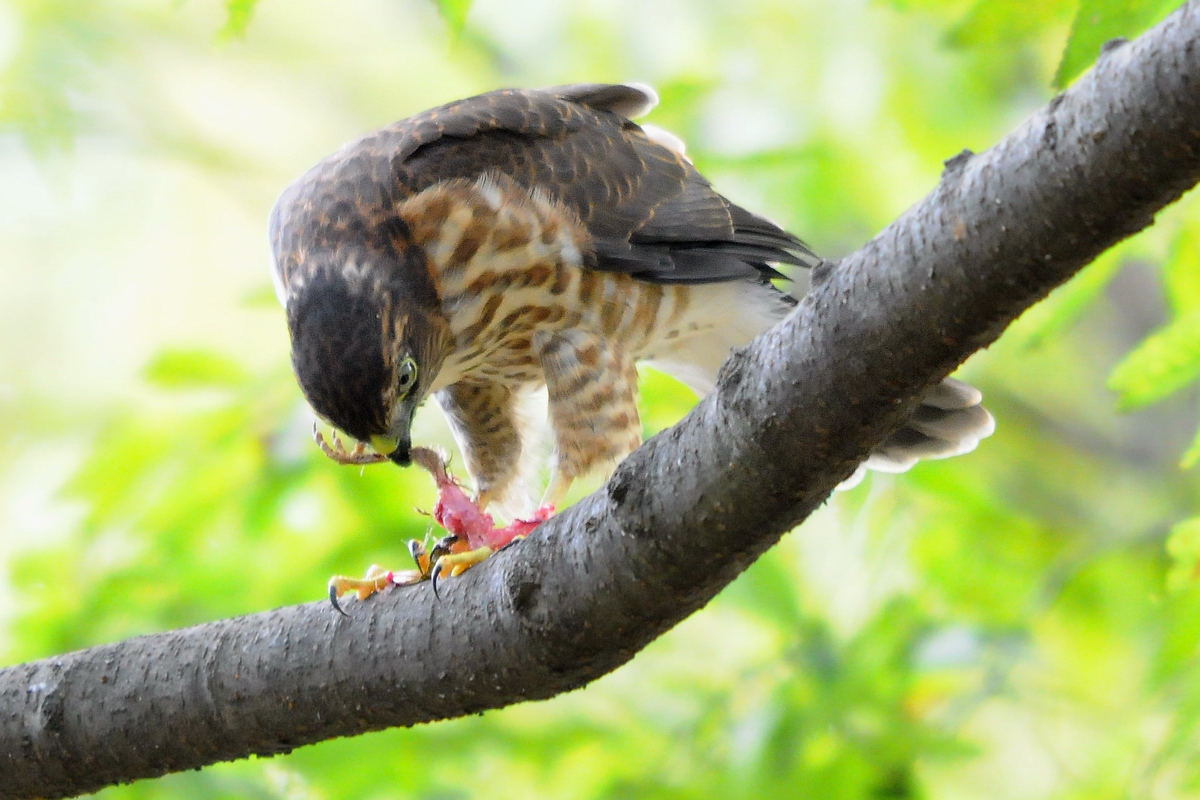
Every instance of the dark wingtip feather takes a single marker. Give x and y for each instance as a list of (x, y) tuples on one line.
[(630, 100)]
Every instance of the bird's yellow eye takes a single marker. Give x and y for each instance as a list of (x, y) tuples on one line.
[(406, 377)]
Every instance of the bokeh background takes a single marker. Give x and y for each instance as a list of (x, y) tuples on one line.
[(1022, 622)]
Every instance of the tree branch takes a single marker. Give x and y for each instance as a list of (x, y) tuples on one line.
[(791, 417)]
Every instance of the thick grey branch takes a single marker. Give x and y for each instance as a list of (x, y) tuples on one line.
[(684, 514)]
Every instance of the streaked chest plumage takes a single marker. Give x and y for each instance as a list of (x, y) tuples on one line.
[(509, 267)]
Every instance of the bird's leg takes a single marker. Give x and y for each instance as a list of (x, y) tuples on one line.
[(560, 484), (592, 390)]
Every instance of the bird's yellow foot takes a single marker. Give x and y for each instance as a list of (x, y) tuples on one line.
[(473, 535), (377, 578), (452, 564)]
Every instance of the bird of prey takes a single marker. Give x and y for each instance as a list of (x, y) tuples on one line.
[(523, 240)]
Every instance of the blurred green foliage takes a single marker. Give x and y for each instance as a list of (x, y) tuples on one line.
[(1023, 622), (240, 13), (1098, 21)]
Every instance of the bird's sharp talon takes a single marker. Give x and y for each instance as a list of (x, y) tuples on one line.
[(434, 574), (333, 598), (519, 537), (443, 547), (417, 550), (377, 579)]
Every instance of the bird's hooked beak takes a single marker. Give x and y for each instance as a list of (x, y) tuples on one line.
[(397, 450), (397, 446), (402, 455)]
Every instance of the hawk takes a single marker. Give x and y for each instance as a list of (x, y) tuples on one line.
[(523, 240)]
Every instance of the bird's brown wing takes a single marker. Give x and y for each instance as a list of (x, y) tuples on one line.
[(648, 210)]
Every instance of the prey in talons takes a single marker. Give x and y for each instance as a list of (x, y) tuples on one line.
[(473, 534)]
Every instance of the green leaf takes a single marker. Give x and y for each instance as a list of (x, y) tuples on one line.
[(194, 369), (999, 21), (1181, 272), (1192, 455), (1099, 21), (454, 12), (238, 15), (1050, 320), (1183, 545), (1162, 365)]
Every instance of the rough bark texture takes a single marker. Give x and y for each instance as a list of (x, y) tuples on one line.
[(684, 514)]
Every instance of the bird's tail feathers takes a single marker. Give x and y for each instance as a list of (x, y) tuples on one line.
[(950, 421)]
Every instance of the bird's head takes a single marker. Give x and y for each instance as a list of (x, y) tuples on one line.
[(366, 351)]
